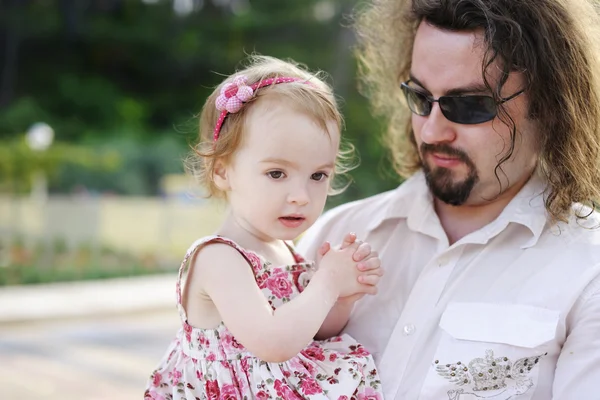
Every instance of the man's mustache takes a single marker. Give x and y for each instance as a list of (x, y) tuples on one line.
[(446, 150)]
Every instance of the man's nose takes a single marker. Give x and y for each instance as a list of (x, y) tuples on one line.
[(437, 128)]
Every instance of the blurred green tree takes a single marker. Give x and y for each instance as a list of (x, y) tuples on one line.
[(131, 75), (19, 163)]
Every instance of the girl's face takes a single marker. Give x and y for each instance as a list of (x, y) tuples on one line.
[(277, 181)]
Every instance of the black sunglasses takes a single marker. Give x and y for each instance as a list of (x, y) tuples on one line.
[(461, 109)]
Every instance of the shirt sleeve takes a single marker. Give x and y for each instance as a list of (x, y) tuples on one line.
[(578, 369)]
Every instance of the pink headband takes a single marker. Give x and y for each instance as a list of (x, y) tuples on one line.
[(235, 94)]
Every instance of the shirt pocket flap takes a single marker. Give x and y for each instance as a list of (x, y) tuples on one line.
[(512, 324)]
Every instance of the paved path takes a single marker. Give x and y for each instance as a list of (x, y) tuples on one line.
[(92, 358), (94, 340)]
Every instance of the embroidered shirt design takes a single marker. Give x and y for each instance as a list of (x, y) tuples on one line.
[(486, 376)]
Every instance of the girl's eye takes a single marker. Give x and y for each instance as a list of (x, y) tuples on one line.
[(318, 176), (275, 174)]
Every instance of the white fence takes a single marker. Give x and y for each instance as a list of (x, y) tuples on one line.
[(163, 227)]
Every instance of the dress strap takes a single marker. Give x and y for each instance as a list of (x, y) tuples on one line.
[(253, 259), (297, 256)]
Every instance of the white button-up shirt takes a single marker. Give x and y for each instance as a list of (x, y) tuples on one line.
[(510, 311)]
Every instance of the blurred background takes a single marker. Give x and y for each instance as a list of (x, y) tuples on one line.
[(98, 106)]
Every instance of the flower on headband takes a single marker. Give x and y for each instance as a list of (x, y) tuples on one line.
[(234, 95)]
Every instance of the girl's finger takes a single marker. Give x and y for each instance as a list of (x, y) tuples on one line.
[(348, 240)]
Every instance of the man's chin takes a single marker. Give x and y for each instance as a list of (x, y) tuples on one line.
[(451, 191)]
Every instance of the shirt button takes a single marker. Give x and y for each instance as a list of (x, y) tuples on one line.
[(409, 329)]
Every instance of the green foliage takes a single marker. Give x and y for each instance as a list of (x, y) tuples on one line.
[(33, 274), (143, 163), (124, 75), (18, 162), (54, 261)]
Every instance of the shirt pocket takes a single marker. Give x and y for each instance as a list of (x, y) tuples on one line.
[(490, 350)]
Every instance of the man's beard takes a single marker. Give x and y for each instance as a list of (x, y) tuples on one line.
[(440, 179)]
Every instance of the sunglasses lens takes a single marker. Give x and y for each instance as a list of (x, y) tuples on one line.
[(417, 102), (468, 109)]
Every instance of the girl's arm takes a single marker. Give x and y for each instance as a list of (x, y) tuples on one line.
[(337, 318), (369, 265), (273, 336)]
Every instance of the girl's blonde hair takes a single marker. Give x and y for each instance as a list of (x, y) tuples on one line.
[(310, 94)]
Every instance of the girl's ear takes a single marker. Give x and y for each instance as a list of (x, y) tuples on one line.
[(220, 176)]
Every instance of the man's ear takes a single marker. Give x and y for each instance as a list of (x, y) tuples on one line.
[(220, 176)]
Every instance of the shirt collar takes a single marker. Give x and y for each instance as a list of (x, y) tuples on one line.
[(413, 200)]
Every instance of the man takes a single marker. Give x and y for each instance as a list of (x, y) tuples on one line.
[(491, 247)]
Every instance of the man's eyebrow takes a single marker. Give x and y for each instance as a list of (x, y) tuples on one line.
[(475, 88)]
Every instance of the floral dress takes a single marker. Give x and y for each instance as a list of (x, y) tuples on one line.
[(211, 364)]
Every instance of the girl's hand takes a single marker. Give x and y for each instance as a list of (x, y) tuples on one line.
[(340, 270), (325, 247), (368, 263)]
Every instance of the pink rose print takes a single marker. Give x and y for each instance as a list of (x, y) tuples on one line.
[(310, 386), (343, 398), (175, 376), (187, 328), (285, 392), (229, 392), (245, 366), (254, 261), (262, 395), (333, 357), (212, 390), (314, 353), (311, 368), (241, 382), (156, 379), (211, 357), (203, 340), (199, 374), (369, 394), (298, 258), (360, 351), (261, 279), (153, 395), (279, 285), (230, 344), (296, 279)]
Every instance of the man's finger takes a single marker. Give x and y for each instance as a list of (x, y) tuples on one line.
[(362, 252), (370, 264), (369, 279)]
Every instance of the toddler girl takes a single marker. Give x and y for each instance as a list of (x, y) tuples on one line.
[(270, 146)]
